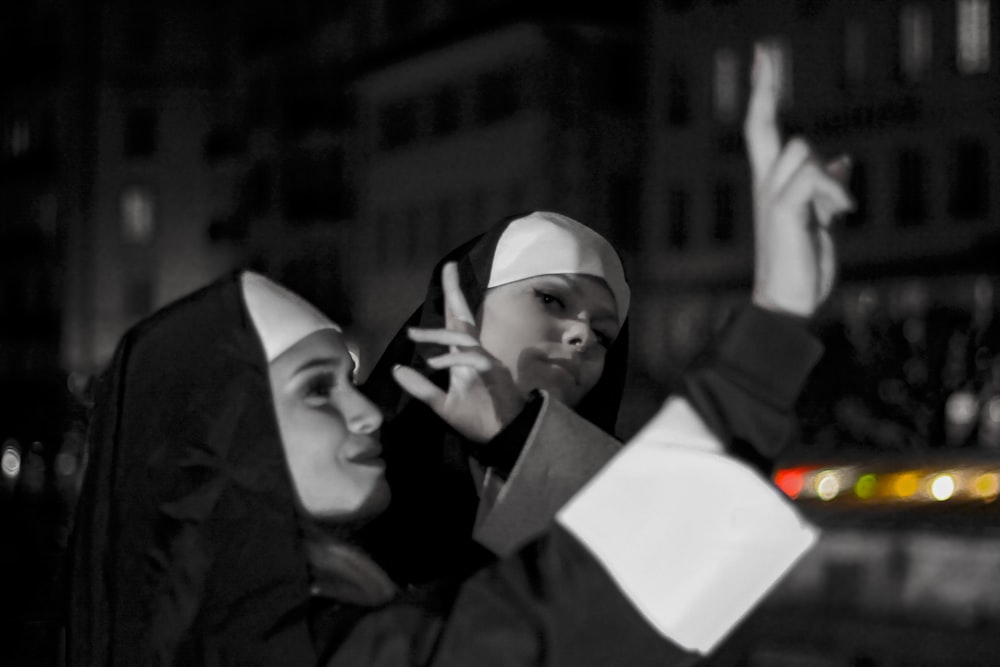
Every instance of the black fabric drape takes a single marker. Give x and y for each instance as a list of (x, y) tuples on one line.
[(186, 547), (551, 605), (426, 532)]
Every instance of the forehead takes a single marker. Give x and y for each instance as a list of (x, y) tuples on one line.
[(324, 346)]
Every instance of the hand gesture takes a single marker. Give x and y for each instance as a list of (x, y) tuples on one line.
[(795, 200), (482, 397)]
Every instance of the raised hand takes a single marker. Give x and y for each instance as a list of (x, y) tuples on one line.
[(482, 397), (796, 198)]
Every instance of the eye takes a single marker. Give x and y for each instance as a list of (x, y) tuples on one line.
[(548, 298), (318, 389)]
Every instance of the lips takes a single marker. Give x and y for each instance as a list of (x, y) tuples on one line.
[(570, 367), (369, 452)]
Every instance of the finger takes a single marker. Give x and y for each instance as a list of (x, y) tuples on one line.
[(474, 360), (840, 169), (442, 337), (419, 387), (811, 185), (826, 258), (457, 311), (760, 128), (789, 161)]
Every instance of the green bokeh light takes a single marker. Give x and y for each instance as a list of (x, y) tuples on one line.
[(864, 488)]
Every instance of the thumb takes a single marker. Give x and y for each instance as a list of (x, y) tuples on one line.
[(826, 258)]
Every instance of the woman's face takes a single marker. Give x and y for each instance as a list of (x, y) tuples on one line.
[(551, 331), (329, 430)]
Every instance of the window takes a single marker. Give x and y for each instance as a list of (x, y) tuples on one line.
[(678, 97), (398, 124), (678, 213), (910, 203), (726, 85), (915, 30), (499, 96), (855, 53), (970, 180), (138, 214), (140, 133), (725, 212), (972, 23), (18, 137)]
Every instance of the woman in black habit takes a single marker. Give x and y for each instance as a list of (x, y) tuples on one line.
[(233, 462), (487, 435)]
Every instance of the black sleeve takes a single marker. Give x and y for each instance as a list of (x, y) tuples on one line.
[(502, 452), (746, 386), (550, 605)]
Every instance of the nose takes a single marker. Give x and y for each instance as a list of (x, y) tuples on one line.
[(578, 334), (362, 416)]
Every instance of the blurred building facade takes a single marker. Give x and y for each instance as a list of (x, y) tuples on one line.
[(343, 147)]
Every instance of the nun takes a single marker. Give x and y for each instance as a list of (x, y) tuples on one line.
[(233, 465), (501, 391)]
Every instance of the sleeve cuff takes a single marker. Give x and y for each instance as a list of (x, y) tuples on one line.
[(774, 352), (693, 538), (502, 452)]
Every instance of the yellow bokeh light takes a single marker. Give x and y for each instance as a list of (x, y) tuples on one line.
[(943, 487), (827, 485), (987, 485), (906, 484)]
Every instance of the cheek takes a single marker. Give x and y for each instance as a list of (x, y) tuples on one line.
[(312, 439), (507, 335)]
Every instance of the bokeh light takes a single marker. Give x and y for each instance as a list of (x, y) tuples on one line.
[(10, 462), (866, 485), (906, 484), (828, 484), (987, 486), (943, 487), (790, 482)]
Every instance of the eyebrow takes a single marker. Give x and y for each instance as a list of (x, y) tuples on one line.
[(334, 362), (601, 312)]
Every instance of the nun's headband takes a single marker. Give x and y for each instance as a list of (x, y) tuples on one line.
[(544, 243), (282, 318)]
